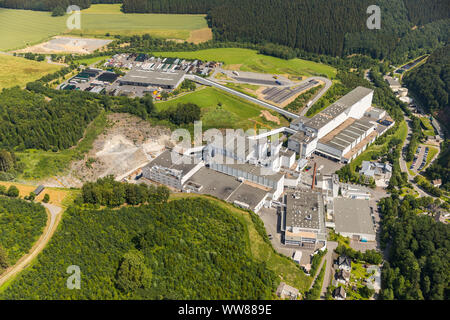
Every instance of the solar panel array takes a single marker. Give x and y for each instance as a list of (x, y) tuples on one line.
[(280, 95)]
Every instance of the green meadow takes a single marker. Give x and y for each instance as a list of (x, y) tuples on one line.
[(222, 110), (252, 61), (24, 71)]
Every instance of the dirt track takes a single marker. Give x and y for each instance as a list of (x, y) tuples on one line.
[(54, 217)]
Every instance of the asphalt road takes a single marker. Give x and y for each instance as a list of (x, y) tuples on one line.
[(331, 246), (53, 213)]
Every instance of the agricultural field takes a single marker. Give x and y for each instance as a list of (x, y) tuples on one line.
[(24, 71), (100, 19), (252, 61), (221, 110), (23, 28)]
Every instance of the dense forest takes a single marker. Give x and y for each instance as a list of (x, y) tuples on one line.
[(108, 192), (320, 26), (419, 251), (27, 120), (21, 224), (183, 249), (430, 83)]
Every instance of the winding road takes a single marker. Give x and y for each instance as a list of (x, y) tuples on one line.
[(54, 216)]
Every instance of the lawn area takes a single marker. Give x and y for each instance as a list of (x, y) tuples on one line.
[(233, 112), (358, 274), (22, 28), (24, 70), (251, 60), (284, 267), (41, 164), (431, 154), (341, 240), (428, 128)]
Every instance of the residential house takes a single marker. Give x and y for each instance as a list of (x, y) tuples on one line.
[(342, 276), (344, 263), (285, 291), (339, 293)]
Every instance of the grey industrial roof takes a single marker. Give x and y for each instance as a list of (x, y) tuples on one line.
[(249, 195), (353, 216), (165, 160), (153, 77), (322, 118), (302, 209), (347, 135), (215, 183), (301, 137), (247, 167)]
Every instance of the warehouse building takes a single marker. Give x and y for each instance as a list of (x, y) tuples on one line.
[(303, 221), (353, 219), (342, 131), (240, 193), (144, 78)]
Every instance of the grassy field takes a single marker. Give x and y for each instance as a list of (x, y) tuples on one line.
[(428, 128), (24, 71), (102, 18), (21, 28), (250, 60), (221, 110), (283, 267), (43, 164)]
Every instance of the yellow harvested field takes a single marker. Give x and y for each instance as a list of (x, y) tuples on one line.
[(201, 35), (57, 196)]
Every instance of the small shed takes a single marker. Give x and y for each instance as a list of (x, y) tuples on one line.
[(39, 190)]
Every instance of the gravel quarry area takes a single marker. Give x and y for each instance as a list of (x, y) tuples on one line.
[(67, 45), (127, 144)]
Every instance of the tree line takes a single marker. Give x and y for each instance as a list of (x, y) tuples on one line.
[(430, 82), (108, 192), (419, 247)]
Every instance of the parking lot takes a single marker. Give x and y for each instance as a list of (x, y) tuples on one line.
[(420, 159)]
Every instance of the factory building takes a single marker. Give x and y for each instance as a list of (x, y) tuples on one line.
[(303, 221), (342, 131), (353, 219), (144, 78), (173, 174)]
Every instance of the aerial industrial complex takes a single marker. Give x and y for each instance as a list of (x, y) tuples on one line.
[(257, 171)]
